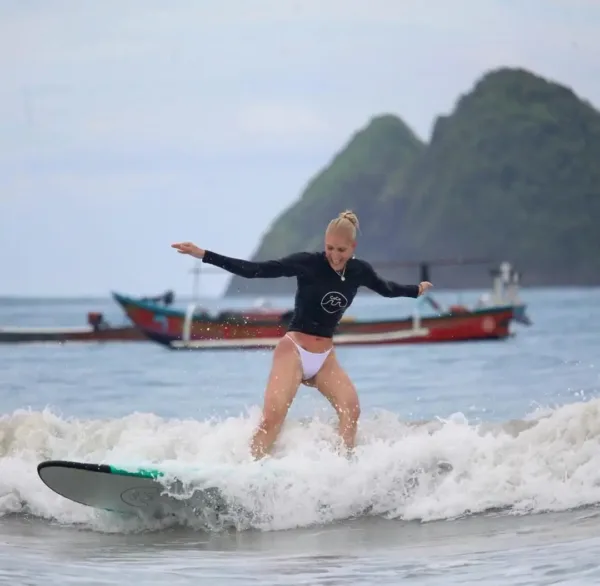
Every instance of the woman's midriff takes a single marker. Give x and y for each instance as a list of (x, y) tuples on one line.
[(311, 343)]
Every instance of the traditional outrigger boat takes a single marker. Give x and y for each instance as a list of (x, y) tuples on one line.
[(85, 333), (99, 329), (194, 328)]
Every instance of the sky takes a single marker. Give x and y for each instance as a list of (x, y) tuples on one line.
[(128, 125)]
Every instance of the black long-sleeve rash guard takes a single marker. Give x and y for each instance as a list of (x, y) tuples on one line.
[(322, 295)]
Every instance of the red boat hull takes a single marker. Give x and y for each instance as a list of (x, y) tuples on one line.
[(173, 329)]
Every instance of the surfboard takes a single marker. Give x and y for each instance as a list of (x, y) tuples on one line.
[(150, 493), (136, 491)]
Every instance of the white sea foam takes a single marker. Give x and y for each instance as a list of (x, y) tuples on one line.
[(551, 461)]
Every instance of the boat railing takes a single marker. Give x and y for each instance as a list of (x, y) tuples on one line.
[(416, 316), (417, 310), (187, 322), (186, 333)]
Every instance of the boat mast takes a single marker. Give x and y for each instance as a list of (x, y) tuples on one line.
[(196, 280)]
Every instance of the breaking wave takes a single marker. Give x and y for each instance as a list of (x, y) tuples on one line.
[(430, 470)]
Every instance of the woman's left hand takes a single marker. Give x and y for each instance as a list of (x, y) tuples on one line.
[(424, 286)]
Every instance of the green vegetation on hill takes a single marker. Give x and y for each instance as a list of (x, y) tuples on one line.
[(512, 173), (356, 178)]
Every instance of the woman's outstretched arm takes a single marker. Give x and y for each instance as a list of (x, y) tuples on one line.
[(386, 288), (288, 266)]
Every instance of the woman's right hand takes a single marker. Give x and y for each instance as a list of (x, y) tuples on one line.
[(188, 248)]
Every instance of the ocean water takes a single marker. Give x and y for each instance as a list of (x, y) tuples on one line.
[(518, 420)]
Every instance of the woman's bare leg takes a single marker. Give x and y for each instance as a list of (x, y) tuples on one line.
[(333, 382), (284, 379)]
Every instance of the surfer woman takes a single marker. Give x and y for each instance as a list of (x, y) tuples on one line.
[(327, 284)]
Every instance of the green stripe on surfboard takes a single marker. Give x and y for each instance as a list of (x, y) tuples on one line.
[(140, 472)]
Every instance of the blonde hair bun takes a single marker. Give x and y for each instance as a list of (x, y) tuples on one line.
[(347, 222), (350, 216)]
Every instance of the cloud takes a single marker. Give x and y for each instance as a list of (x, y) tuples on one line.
[(193, 75), (160, 118)]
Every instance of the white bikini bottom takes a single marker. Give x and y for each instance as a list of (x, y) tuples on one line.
[(311, 361)]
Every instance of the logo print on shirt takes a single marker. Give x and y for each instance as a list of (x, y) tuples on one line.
[(333, 302)]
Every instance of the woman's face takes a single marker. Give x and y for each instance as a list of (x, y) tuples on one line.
[(339, 248)]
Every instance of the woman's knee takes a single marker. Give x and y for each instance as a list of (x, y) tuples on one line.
[(347, 404), (273, 417), (350, 409)]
